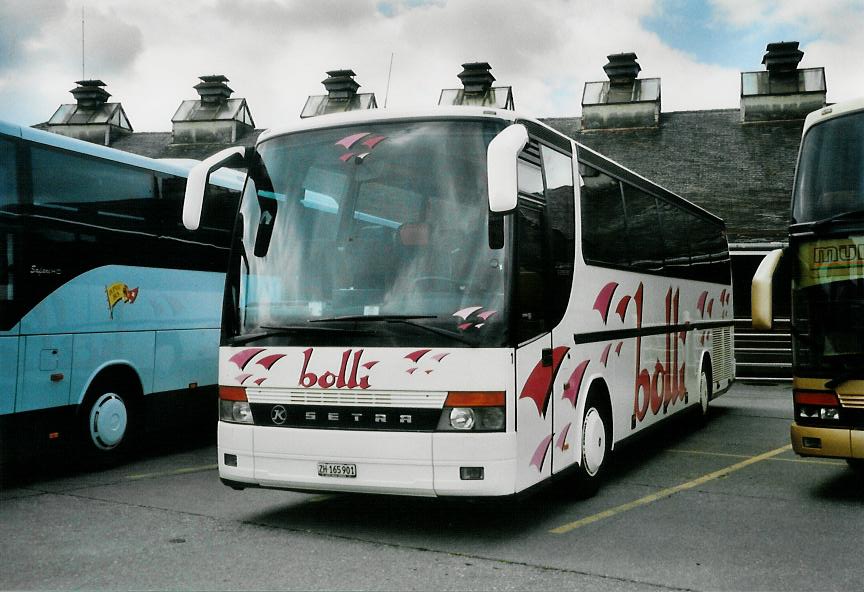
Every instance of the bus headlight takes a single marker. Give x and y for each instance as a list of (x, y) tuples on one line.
[(474, 411), (462, 418), (818, 406), (233, 406)]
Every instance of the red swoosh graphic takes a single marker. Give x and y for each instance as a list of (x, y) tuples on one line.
[(268, 361), (415, 356), (604, 298), (242, 358), (538, 387), (539, 456), (575, 382)]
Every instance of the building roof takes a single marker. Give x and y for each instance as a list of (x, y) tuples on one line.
[(741, 172), (159, 145)]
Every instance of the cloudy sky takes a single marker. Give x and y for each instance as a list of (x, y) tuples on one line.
[(276, 52)]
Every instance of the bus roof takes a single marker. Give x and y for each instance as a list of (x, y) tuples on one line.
[(376, 115), (178, 167), (832, 111)]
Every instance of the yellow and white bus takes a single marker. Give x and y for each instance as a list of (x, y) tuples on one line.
[(826, 248)]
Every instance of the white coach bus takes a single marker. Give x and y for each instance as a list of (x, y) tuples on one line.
[(459, 302)]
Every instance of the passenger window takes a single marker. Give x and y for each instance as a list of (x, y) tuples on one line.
[(675, 223), (68, 180), (530, 179), (604, 226), (643, 222), (8, 174)]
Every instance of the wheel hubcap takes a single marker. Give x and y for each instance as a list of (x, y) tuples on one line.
[(703, 392), (108, 420), (593, 441)]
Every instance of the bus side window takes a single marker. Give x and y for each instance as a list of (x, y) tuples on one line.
[(530, 272), (675, 224), (604, 226), (8, 174), (646, 243)]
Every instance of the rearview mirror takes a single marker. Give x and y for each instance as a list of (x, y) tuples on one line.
[(199, 176), (501, 158), (761, 291)]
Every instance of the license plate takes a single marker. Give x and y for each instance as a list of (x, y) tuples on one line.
[(326, 469)]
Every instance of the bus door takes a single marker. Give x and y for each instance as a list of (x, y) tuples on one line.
[(534, 354)]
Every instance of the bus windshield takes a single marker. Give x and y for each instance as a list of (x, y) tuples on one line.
[(384, 226), (830, 178), (828, 281)]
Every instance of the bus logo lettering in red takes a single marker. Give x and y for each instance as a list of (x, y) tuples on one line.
[(345, 377)]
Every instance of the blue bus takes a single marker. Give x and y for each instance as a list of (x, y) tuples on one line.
[(109, 308)]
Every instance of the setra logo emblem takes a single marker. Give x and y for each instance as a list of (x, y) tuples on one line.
[(278, 414)]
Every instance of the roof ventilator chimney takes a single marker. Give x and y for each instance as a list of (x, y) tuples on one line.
[(214, 118), (477, 89), (623, 101), (92, 117), (341, 96), (782, 91)]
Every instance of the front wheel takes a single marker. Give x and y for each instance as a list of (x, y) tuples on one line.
[(595, 447), (106, 421)]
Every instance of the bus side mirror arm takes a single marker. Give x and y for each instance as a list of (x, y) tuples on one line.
[(762, 291), (199, 176)]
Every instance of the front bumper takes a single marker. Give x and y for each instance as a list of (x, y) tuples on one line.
[(827, 442), (417, 463)]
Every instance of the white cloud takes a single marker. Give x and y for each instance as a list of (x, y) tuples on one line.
[(276, 52)]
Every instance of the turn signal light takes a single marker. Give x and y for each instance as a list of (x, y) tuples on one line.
[(475, 399), (232, 393)]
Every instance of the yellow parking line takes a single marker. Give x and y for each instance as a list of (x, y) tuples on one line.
[(664, 493), (812, 461), (174, 472)]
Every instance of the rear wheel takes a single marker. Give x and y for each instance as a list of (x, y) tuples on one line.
[(856, 464), (594, 447), (704, 389)]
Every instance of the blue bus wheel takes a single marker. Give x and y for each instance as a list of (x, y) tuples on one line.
[(108, 421)]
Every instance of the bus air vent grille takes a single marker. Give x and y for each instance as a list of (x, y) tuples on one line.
[(852, 401), (320, 397), (723, 364)]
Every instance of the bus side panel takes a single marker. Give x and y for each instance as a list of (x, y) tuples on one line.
[(47, 367), (96, 351), (186, 357), (8, 373), (650, 376), (125, 298)]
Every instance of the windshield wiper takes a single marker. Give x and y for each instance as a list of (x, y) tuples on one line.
[(853, 358), (371, 318), (850, 215), (397, 318), (287, 330)]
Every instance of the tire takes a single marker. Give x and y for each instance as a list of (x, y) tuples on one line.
[(857, 465), (107, 423), (705, 390), (594, 447)]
